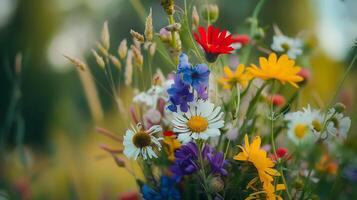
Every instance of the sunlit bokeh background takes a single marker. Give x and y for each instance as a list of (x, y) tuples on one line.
[(58, 156)]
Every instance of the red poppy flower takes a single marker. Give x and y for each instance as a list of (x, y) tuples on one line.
[(215, 42)]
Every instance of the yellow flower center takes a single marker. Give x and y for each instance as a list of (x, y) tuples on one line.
[(141, 139), (197, 124), (300, 130), (286, 47), (316, 124)]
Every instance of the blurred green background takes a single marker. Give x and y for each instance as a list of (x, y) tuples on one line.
[(56, 155)]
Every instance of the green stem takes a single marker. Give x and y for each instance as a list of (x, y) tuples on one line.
[(203, 172), (253, 30)]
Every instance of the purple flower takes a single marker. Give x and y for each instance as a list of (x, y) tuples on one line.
[(218, 163), (185, 160), (180, 95), (216, 160), (196, 76)]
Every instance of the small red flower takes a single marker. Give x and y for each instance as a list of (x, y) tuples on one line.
[(168, 133), (281, 152), (215, 42), (277, 100)]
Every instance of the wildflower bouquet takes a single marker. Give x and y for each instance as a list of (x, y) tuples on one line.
[(221, 124)]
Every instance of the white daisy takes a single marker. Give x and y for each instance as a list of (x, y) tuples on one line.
[(299, 126), (317, 119), (291, 46), (201, 121), (338, 124), (139, 142)]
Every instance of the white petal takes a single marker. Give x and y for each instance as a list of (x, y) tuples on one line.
[(184, 138)]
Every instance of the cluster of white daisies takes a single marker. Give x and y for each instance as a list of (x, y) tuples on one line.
[(305, 125)]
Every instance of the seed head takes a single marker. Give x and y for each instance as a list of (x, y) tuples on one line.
[(138, 57), (195, 18), (105, 36), (99, 59), (123, 49), (137, 36), (78, 63), (129, 68), (149, 35), (115, 61)]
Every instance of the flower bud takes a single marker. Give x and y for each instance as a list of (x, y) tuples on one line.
[(195, 18), (115, 61), (149, 28), (210, 12), (259, 34), (176, 27), (168, 6), (120, 162), (123, 49), (165, 35), (105, 36), (216, 184), (339, 107), (305, 74), (99, 59), (298, 184), (277, 100), (137, 36)]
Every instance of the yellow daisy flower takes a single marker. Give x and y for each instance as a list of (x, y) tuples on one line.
[(282, 69), (232, 78), (254, 154)]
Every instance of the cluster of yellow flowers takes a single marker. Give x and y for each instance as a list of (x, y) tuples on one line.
[(273, 68), (264, 165)]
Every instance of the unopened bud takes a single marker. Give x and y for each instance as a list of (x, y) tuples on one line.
[(277, 100), (115, 61), (120, 162), (98, 59), (339, 107), (122, 49), (138, 57), (195, 18), (176, 27), (149, 35), (216, 184), (210, 12), (137, 36), (298, 184), (315, 197), (78, 63), (305, 74), (259, 34), (105, 36), (165, 35)]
